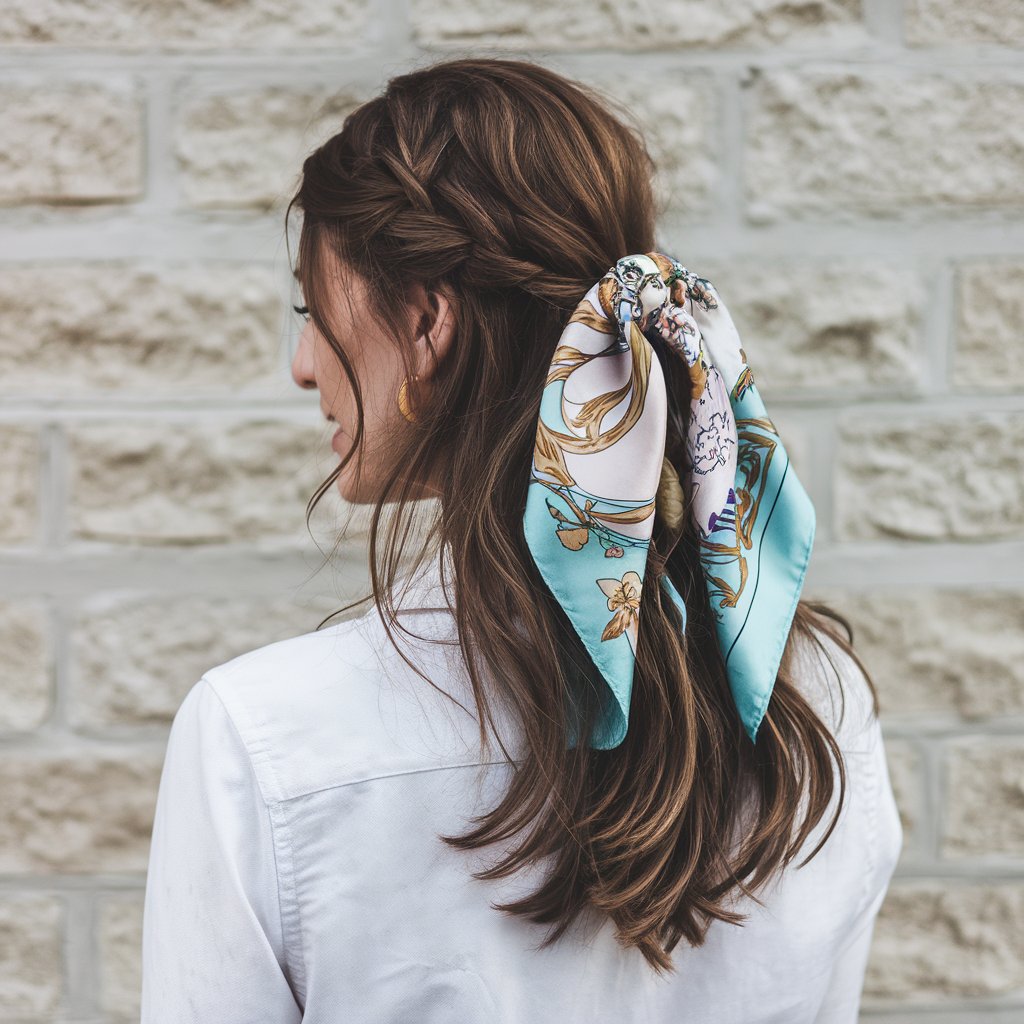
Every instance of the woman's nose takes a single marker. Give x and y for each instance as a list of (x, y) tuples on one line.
[(302, 363)]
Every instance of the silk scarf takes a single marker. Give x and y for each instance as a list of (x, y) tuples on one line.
[(597, 480)]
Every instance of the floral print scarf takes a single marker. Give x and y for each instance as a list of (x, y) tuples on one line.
[(600, 475)]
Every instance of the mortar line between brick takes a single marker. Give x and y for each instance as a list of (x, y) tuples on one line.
[(940, 324)]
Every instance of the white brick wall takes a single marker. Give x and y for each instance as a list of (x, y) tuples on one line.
[(851, 176)]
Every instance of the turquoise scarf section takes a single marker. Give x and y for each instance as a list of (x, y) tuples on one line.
[(598, 457)]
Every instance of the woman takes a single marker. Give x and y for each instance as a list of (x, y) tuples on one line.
[(563, 715)]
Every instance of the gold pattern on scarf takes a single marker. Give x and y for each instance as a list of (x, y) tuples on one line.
[(551, 445), (754, 468)]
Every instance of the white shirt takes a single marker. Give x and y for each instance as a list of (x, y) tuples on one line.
[(295, 874)]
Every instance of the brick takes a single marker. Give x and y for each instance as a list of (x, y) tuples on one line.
[(79, 143), (136, 656), (923, 477), (846, 329), (245, 149), (676, 23), (846, 145), (985, 812), (988, 354), (76, 812), (125, 24), (942, 651), (188, 483), (25, 698), (933, 942), (120, 956), (30, 954), (19, 478), (210, 327), (949, 23)]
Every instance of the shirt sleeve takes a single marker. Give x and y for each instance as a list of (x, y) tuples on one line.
[(212, 949)]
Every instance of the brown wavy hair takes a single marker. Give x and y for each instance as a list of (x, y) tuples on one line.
[(514, 189)]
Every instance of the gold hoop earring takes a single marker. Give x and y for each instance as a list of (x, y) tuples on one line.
[(403, 401)]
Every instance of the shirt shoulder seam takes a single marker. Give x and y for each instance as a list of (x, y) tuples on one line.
[(390, 775), (281, 846)]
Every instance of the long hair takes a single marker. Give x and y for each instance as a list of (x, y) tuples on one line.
[(514, 189)]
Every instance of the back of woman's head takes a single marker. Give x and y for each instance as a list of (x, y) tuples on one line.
[(510, 190)]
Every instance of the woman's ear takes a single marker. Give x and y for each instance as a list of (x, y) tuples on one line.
[(434, 316)]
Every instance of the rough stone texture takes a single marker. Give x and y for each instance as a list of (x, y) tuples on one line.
[(847, 329), (933, 941), (78, 812), (845, 144), (949, 22), (905, 775), (211, 327), (680, 119), (828, 179), (120, 955), (69, 143), (25, 666), (246, 149), (30, 955), (942, 651), (988, 351), (918, 477), (187, 483), (19, 479), (82, 811), (136, 656), (578, 25), (985, 812), (185, 24)]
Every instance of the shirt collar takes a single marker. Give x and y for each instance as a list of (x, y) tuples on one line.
[(422, 587)]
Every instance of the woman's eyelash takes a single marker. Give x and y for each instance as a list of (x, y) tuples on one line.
[(302, 311)]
